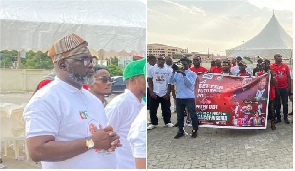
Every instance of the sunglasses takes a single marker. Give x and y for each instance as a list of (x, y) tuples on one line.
[(105, 79), (86, 60)]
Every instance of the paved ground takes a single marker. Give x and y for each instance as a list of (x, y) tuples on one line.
[(221, 148), (9, 160)]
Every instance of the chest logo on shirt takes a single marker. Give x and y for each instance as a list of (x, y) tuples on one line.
[(83, 114)]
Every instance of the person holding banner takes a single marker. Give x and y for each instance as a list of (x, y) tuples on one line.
[(283, 87), (271, 112), (243, 72), (185, 86), (236, 69), (217, 68), (197, 68), (226, 68)]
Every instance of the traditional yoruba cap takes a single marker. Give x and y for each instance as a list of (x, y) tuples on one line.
[(242, 63), (68, 46), (134, 68)]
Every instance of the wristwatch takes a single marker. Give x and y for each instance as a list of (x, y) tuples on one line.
[(89, 143)]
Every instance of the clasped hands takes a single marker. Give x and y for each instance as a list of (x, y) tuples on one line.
[(106, 139)]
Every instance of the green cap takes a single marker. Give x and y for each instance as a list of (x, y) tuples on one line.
[(134, 68), (144, 70)]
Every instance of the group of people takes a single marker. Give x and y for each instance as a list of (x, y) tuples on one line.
[(165, 78), (69, 124)]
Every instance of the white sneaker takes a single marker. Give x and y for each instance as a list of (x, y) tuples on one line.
[(170, 125), (188, 124), (151, 126)]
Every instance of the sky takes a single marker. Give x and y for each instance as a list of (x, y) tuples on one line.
[(215, 25)]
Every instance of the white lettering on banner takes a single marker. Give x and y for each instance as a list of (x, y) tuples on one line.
[(213, 116), (200, 95), (213, 106), (203, 85)]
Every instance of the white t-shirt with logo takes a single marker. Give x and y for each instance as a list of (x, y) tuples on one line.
[(68, 113), (161, 77), (121, 112), (235, 70), (137, 134)]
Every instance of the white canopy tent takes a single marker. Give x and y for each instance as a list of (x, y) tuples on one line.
[(111, 28), (271, 40)]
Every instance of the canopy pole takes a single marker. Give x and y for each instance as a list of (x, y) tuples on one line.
[(101, 54)]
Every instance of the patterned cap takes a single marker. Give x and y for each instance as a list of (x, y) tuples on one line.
[(134, 68), (68, 46)]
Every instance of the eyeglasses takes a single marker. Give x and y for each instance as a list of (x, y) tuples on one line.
[(105, 79), (86, 60)]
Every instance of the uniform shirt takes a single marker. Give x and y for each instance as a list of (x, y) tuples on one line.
[(185, 85), (272, 91), (161, 78), (67, 113), (215, 69), (235, 70), (198, 70), (121, 112), (281, 72), (137, 134)]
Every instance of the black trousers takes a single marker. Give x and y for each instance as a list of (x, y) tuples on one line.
[(271, 110), (284, 96), (148, 96), (165, 106)]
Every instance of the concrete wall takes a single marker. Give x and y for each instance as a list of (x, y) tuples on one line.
[(14, 80)]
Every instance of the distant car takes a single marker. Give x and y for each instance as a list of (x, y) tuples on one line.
[(118, 85)]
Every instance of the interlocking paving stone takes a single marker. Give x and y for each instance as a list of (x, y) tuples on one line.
[(221, 148)]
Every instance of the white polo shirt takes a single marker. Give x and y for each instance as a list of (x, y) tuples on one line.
[(121, 112), (137, 134), (67, 113)]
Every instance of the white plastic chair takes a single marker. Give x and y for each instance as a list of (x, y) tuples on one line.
[(17, 114), (12, 130), (10, 106), (3, 112)]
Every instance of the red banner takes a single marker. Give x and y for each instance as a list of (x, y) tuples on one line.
[(225, 101)]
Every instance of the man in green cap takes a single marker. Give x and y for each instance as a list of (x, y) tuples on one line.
[(124, 108)]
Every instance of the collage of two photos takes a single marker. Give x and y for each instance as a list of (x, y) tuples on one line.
[(146, 84)]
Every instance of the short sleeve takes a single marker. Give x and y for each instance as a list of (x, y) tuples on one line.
[(137, 135), (41, 119)]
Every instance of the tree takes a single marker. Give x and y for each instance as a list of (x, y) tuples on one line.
[(114, 70), (38, 60), (33, 60), (113, 61), (7, 58)]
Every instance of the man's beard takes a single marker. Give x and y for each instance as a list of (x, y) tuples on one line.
[(81, 79)]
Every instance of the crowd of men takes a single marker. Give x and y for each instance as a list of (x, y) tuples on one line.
[(165, 78)]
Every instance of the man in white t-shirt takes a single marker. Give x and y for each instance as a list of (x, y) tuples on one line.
[(160, 89), (235, 70), (151, 61), (137, 139), (66, 126), (123, 109)]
